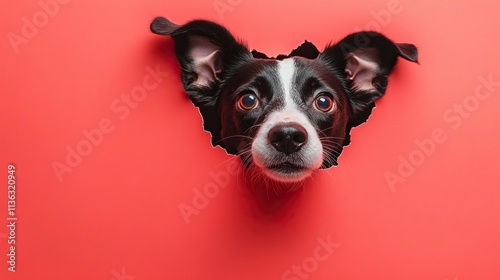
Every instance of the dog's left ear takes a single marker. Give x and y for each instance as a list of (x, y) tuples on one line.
[(205, 50), (364, 61)]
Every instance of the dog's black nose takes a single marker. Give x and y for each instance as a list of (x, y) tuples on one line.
[(287, 138)]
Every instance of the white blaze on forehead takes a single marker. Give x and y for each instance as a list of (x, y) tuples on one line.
[(286, 71)]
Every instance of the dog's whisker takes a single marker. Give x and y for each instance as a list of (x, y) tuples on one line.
[(233, 136), (334, 152), (328, 146), (326, 140), (330, 138), (323, 130), (332, 145), (252, 127)]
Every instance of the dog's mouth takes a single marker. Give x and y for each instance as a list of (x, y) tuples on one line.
[(287, 168), (287, 172)]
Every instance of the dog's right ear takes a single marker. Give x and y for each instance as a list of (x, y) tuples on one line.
[(205, 51)]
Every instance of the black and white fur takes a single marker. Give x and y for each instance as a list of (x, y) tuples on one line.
[(286, 116)]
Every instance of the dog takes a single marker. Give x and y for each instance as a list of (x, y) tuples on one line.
[(286, 116)]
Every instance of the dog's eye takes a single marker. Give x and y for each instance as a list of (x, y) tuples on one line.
[(324, 103), (248, 101)]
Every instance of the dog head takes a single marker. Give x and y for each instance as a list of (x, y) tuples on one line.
[(289, 115)]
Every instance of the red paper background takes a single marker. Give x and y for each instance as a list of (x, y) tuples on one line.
[(116, 214)]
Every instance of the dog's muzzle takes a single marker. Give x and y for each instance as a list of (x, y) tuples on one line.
[(287, 151)]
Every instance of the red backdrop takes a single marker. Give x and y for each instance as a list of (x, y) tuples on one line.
[(115, 178)]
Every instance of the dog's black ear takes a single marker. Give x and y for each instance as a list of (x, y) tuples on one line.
[(364, 61), (205, 50)]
